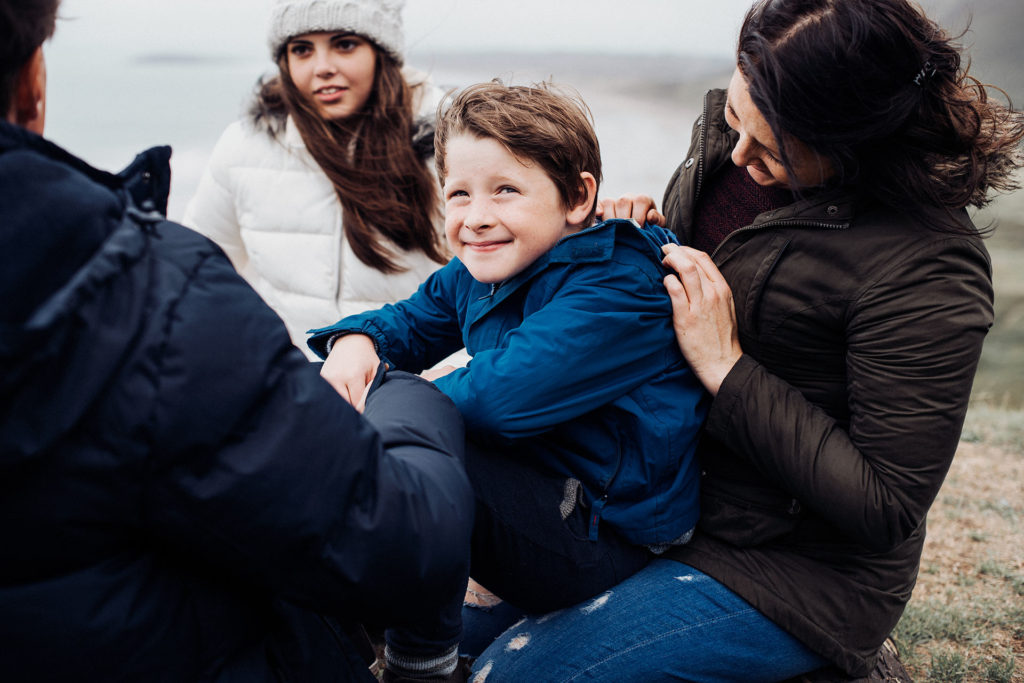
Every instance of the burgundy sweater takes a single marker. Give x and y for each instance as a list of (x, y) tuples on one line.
[(732, 200)]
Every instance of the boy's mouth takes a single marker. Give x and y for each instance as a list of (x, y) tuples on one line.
[(490, 245)]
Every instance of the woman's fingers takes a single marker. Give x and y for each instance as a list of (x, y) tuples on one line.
[(703, 315), (655, 217), (639, 207), (682, 261)]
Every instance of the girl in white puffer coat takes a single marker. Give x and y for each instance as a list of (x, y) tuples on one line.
[(324, 197)]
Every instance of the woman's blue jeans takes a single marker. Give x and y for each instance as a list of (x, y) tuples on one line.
[(668, 622)]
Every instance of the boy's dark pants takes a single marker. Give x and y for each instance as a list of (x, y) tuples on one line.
[(522, 549)]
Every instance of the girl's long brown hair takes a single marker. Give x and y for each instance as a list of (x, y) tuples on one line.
[(379, 175)]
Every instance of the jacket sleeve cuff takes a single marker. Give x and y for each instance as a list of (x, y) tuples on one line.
[(321, 341), (720, 417)]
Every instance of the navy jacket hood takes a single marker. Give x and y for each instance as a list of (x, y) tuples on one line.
[(66, 237)]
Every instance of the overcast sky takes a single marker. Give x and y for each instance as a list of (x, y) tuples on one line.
[(120, 77), (237, 27)]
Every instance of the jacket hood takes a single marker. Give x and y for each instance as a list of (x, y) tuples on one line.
[(70, 235)]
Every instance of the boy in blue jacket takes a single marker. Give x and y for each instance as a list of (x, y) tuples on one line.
[(581, 414)]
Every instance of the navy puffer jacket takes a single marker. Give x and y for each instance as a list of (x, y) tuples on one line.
[(181, 495)]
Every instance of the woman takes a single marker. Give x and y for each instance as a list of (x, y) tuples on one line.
[(324, 199), (835, 306)]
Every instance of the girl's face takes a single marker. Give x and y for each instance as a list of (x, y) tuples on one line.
[(334, 70), (758, 150)]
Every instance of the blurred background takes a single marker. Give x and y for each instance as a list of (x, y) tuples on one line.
[(129, 74)]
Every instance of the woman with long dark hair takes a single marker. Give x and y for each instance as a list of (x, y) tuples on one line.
[(324, 198), (833, 299)]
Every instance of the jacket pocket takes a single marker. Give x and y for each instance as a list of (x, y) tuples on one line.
[(746, 515), (755, 292)]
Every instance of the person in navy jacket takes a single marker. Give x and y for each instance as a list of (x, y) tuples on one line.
[(581, 413), (175, 505)]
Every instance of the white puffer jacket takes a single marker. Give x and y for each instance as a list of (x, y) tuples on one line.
[(271, 208)]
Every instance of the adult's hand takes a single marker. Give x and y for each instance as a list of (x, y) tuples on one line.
[(639, 207), (703, 314), (351, 366)]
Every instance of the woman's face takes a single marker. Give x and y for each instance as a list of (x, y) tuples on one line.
[(334, 70), (758, 150)]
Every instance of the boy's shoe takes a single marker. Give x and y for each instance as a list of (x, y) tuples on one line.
[(462, 674)]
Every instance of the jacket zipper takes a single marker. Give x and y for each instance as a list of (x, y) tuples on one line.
[(597, 507), (777, 223), (488, 295), (701, 144), (339, 263)]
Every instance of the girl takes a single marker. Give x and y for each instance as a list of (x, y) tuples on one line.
[(322, 198)]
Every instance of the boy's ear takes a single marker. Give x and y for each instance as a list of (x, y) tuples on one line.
[(29, 107), (581, 212)]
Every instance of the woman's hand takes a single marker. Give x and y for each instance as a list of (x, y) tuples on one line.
[(639, 207), (350, 367), (703, 315)]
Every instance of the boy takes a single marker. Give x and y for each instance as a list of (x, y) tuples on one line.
[(581, 413)]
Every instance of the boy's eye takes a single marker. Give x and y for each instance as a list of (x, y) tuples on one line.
[(507, 189), (457, 193)]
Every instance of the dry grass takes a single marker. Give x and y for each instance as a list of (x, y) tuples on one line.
[(966, 619)]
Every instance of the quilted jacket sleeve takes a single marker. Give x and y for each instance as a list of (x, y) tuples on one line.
[(914, 338), (264, 473)]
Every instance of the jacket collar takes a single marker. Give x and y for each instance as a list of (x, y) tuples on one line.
[(832, 209), (829, 209), (595, 244), (16, 137)]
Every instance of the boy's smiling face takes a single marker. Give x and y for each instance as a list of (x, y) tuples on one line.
[(501, 214)]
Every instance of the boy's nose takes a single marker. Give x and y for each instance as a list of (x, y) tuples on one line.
[(477, 217)]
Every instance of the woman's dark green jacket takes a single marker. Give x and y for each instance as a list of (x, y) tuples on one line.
[(829, 440)]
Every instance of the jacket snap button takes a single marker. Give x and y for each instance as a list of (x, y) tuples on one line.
[(832, 210), (689, 162)]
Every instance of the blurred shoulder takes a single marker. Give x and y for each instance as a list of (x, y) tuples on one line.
[(426, 95)]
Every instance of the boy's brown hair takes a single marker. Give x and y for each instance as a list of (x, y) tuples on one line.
[(537, 124)]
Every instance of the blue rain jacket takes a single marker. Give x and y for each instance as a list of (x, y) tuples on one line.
[(574, 363)]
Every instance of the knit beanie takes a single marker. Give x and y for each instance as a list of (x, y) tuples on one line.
[(378, 20)]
